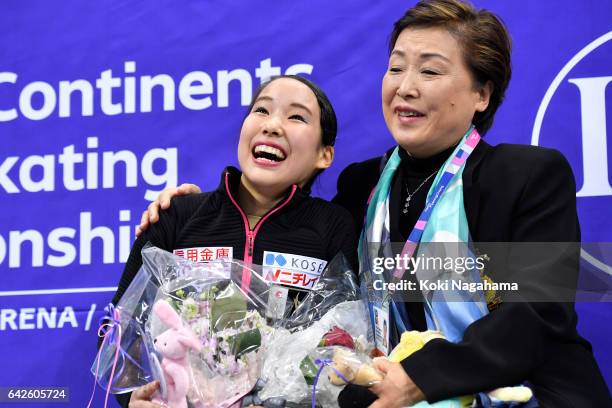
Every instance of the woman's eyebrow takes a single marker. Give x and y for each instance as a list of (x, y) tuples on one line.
[(264, 97), (422, 56), (431, 55), (299, 105), (292, 104)]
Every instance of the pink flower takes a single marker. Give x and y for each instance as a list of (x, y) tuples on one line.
[(337, 337)]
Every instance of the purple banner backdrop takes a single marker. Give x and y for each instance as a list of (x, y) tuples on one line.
[(103, 104)]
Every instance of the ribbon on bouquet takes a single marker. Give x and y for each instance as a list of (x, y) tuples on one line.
[(110, 331), (322, 363)]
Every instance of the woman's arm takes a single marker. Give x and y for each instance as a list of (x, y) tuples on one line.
[(506, 346), (530, 340)]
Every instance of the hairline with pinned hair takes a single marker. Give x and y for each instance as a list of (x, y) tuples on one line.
[(328, 120)]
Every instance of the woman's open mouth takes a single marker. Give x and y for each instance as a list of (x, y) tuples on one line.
[(268, 154), (408, 115)]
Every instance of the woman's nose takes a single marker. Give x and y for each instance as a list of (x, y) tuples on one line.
[(408, 87), (273, 126)]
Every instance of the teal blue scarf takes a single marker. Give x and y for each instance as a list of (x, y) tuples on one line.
[(442, 221)]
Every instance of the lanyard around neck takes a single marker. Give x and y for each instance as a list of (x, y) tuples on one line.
[(440, 185)]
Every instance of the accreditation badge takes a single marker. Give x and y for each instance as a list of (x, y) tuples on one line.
[(381, 327)]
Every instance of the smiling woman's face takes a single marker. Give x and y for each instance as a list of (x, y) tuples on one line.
[(428, 95), (280, 140)]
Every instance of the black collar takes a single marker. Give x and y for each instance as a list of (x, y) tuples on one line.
[(423, 167), (234, 181)]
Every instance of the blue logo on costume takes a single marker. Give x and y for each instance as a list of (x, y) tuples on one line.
[(278, 258)]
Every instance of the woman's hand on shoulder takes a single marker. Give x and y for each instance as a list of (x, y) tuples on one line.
[(162, 202)]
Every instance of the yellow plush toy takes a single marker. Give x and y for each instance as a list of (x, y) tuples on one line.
[(362, 373), (412, 341)]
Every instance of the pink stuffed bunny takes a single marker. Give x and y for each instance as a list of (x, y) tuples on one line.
[(173, 345)]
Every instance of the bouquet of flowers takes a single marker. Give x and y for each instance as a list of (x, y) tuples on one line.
[(193, 326), (331, 314)]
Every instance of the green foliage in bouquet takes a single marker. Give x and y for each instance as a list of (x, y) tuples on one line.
[(245, 342), (228, 308), (309, 370)]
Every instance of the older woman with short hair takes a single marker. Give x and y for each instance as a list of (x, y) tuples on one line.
[(449, 66)]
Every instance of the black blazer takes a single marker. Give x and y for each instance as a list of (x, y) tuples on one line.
[(512, 193)]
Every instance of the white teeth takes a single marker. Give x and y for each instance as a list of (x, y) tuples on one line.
[(270, 150), (409, 114)]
